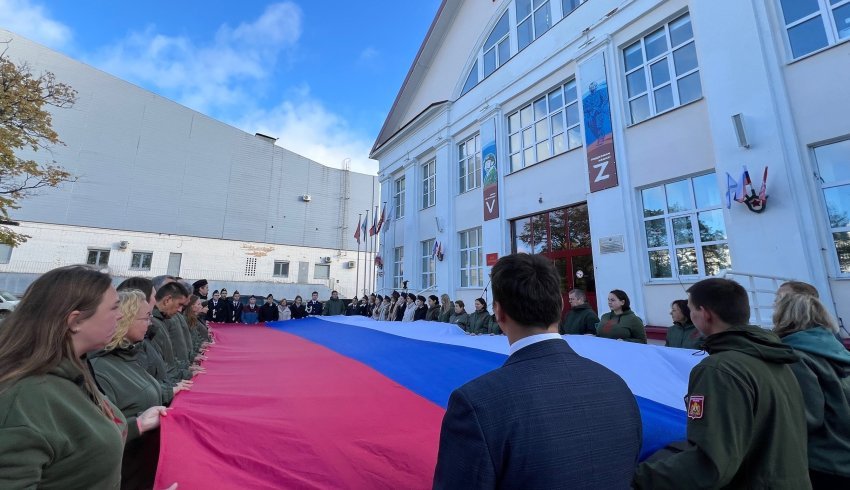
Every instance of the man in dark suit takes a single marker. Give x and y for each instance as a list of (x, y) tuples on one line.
[(548, 418)]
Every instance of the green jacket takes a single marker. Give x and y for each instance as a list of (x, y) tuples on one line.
[(745, 420), (626, 326), (52, 435), (684, 336), (461, 320), (433, 314), (129, 387), (178, 330), (333, 307), (177, 369), (580, 320), (446, 317), (824, 376), (479, 322), (150, 358)]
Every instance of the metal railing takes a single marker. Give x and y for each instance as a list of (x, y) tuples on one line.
[(762, 291)]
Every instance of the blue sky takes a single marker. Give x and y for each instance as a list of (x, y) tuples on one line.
[(320, 75)]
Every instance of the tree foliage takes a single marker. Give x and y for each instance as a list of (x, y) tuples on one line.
[(26, 124)]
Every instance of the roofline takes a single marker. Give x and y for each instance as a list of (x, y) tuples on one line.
[(413, 120), (379, 142)]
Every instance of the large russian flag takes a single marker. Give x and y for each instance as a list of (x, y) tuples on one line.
[(348, 402)]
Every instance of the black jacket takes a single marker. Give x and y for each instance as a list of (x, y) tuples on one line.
[(232, 314), (269, 313), (216, 310), (298, 311)]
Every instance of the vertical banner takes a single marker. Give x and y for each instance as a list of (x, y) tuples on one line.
[(598, 133), (489, 169)]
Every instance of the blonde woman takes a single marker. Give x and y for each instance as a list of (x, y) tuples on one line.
[(57, 430), (802, 322), (446, 308)]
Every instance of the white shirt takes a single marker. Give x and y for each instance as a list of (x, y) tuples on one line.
[(532, 339)]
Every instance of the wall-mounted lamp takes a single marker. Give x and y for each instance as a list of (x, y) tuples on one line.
[(740, 133)]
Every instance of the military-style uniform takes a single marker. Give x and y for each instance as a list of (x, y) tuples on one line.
[(314, 308), (53, 436), (746, 419), (580, 320), (334, 307), (433, 314), (461, 320), (176, 369), (216, 310), (684, 336), (479, 322), (626, 326)]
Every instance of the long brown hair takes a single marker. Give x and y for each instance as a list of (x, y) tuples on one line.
[(35, 337), (796, 312), (191, 316)]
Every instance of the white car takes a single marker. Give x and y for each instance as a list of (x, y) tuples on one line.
[(8, 302)]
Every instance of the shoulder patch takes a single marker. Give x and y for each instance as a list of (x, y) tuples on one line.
[(696, 406)]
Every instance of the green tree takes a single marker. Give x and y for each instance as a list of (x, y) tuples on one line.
[(25, 123)]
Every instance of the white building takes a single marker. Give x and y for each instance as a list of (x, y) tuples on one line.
[(695, 89), (164, 189)]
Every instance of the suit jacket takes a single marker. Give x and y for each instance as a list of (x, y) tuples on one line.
[(216, 311), (548, 418), (233, 314)]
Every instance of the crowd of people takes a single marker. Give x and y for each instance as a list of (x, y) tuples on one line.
[(87, 371)]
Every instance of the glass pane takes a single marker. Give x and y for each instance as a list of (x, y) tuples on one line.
[(842, 249), (570, 93), (656, 43), (583, 273), (706, 191), (461, 149), (498, 31), (513, 122), (504, 51), (690, 88), (679, 196), (579, 227), (680, 30), (523, 8), (489, 62), (541, 233), (523, 34), (633, 56), (557, 121), (92, 258), (686, 260), (542, 130), (543, 150), (660, 72), (838, 205), (525, 116), (464, 242), (471, 79), (572, 115), (529, 156), (685, 58), (528, 137), (807, 37), (558, 227), (654, 201), (560, 144), (561, 266), (569, 6), (516, 162), (716, 259), (656, 233), (540, 108), (542, 20), (574, 137), (711, 226), (797, 9), (636, 83), (663, 98), (683, 232), (556, 99), (515, 143), (842, 20), (834, 161), (639, 109), (659, 264)]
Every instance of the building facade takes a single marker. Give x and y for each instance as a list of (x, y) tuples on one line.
[(161, 188), (605, 134)]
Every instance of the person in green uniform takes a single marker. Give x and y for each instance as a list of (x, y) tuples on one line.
[(130, 388), (746, 416), (621, 323), (803, 323), (446, 308), (170, 298), (334, 306), (581, 319), (57, 431), (433, 314), (480, 319), (460, 317), (683, 333)]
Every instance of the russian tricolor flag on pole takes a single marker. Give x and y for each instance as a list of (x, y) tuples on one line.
[(348, 402)]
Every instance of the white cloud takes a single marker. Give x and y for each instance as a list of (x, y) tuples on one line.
[(368, 55), (306, 127), (33, 22)]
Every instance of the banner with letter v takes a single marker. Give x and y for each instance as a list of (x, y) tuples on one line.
[(489, 169)]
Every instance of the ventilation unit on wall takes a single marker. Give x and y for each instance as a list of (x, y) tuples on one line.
[(350, 264), (326, 260), (123, 244), (306, 198)]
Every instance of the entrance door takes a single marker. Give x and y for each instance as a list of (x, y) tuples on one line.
[(174, 264)]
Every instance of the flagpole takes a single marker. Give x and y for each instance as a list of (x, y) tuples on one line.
[(357, 274), (367, 253), (374, 247)]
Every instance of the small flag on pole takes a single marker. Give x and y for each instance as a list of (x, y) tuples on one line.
[(381, 220), (373, 230), (357, 232)]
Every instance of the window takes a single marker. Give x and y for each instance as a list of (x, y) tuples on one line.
[(471, 79), (281, 268), (469, 164), (684, 229), (662, 70), (5, 253), (534, 17), (497, 47), (570, 5), (398, 197), (815, 24), (398, 267), (552, 231), (98, 257), (546, 127), (429, 184), (833, 162), (141, 261), (471, 274), (250, 266), (429, 267), (322, 271)]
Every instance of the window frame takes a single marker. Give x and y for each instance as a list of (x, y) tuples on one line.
[(532, 18), (470, 270), (465, 174), (823, 186), (398, 197), (428, 264), (826, 12), (100, 251), (398, 267), (504, 40), (141, 267), (317, 268), (673, 78), (429, 183), (518, 137), (275, 269)]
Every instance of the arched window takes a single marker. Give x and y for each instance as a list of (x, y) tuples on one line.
[(497, 48)]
